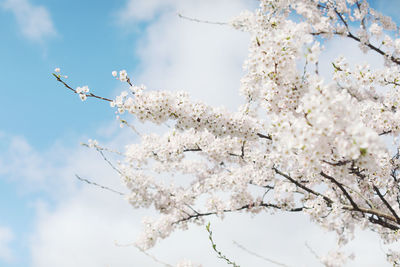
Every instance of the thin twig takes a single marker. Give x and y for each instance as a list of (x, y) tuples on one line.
[(259, 256), (145, 253), (214, 246), (131, 126), (245, 207), (201, 21), (108, 161), (264, 136), (98, 185), (73, 90), (313, 252)]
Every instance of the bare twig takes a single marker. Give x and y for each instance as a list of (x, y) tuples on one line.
[(73, 90), (264, 136), (108, 161), (201, 21), (145, 253), (131, 126), (313, 252), (259, 256), (98, 185)]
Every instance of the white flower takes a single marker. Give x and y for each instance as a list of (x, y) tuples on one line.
[(323, 136), (82, 90), (375, 29), (123, 76), (83, 97), (57, 70), (93, 143)]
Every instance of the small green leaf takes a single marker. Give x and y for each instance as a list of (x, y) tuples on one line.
[(363, 151)]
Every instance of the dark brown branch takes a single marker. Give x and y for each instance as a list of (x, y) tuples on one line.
[(352, 36), (339, 163), (328, 200), (333, 180), (376, 49), (342, 19), (128, 80), (386, 203), (73, 90), (391, 82), (242, 154), (385, 132), (375, 212), (383, 223), (192, 149), (249, 206), (264, 136), (382, 217)]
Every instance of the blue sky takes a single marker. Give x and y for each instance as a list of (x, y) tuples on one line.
[(43, 124), (87, 43)]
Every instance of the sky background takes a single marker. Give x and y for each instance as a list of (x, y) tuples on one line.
[(49, 218)]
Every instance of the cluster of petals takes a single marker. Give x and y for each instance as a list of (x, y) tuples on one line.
[(82, 92), (298, 143)]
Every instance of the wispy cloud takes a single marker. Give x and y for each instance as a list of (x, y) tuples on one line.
[(6, 236), (34, 21), (136, 10), (175, 54)]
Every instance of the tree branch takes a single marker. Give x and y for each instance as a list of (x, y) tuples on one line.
[(249, 206), (328, 200), (386, 203), (98, 185), (73, 90), (333, 180)]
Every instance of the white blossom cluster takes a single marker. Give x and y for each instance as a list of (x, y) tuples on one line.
[(161, 106), (297, 144), (82, 92)]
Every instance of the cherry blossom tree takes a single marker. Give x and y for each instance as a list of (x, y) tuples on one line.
[(299, 143)]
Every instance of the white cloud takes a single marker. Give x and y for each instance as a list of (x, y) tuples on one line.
[(176, 54), (6, 236), (136, 10), (82, 230), (34, 21)]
